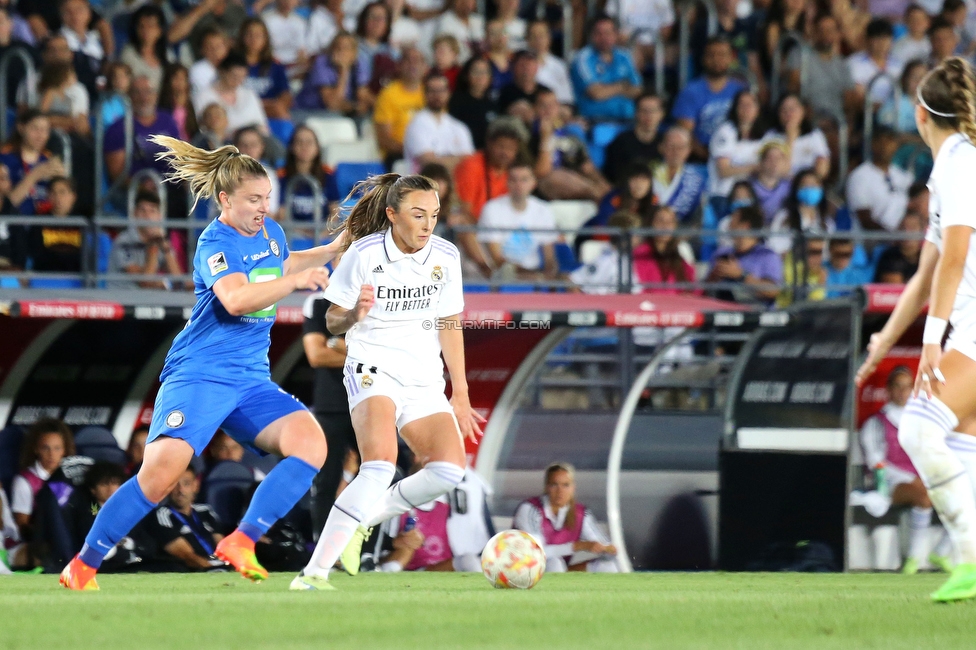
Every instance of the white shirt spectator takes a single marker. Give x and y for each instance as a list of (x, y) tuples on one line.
[(863, 69), (641, 20), (441, 135), (806, 149), (725, 143), (473, 32), (554, 75), (516, 34), (77, 96), (781, 244), (908, 49), (246, 110), (21, 495), (519, 246), (322, 28), (288, 34), (91, 45), (406, 31), (884, 193), (350, 13), (202, 75), (529, 519)]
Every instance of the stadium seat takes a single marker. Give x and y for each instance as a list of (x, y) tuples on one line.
[(347, 174), (570, 215), (565, 258), (281, 129), (226, 488), (602, 135), (359, 151), (330, 130), (99, 443), (591, 250), (10, 440), (401, 167)]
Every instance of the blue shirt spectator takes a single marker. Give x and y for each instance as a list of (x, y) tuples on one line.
[(268, 81), (325, 74), (704, 103), (147, 121), (849, 266), (604, 76), (746, 262)]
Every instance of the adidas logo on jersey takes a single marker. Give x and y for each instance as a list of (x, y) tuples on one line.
[(379, 269)]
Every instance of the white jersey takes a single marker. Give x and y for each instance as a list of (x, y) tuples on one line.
[(952, 202), (399, 334)]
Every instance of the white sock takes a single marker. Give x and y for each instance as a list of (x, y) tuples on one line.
[(349, 510), (436, 478), (922, 434), (918, 537)]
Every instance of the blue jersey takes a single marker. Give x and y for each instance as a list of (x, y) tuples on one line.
[(215, 344)]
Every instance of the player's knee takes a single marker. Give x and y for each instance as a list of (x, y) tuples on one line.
[(910, 433), (314, 450), (448, 474)]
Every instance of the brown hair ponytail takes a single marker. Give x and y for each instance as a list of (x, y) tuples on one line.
[(947, 93), (378, 193)]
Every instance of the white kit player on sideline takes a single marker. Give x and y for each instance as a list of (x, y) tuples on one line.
[(946, 278), (397, 296)]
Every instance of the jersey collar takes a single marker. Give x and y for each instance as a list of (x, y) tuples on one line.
[(394, 254)]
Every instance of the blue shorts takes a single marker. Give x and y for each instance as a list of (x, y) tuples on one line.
[(193, 410)]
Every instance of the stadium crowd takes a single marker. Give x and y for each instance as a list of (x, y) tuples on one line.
[(748, 128)]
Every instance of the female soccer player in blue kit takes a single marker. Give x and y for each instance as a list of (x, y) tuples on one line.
[(217, 373)]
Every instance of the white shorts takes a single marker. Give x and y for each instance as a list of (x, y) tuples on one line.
[(412, 402)]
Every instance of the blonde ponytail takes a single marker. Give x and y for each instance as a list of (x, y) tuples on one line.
[(208, 173)]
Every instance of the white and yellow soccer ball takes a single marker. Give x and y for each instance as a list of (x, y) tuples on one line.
[(513, 559)]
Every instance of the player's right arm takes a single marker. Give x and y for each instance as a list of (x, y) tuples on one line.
[(349, 292), (910, 303)]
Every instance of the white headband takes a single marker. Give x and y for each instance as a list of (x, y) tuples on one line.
[(921, 100)]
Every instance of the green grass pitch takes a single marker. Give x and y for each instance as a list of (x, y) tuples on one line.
[(425, 610)]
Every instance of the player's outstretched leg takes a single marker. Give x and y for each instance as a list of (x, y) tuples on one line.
[(924, 427), (165, 460)]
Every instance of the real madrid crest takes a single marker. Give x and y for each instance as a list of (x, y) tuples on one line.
[(275, 249), (175, 419), (437, 274), (366, 381)]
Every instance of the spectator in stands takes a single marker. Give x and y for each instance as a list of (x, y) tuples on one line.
[(678, 183), (658, 259), (515, 27), (827, 83), (956, 13), (193, 21), (523, 85), (461, 21), (914, 43), (471, 102), (243, 106), (265, 76), (214, 47), (76, 27), (373, 29), (505, 225), (553, 72), (483, 176), (174, 97), (783, 17), (640, 144), (806, 209), (304, 157), (397, 103), (741, 33), (807, 145), (642, 24), (146, 52), (918, 201), (704, 103), (212, 133), (771, 180), (567, 529), (605, 80), (147, 121), (447, 52), (184, 533), (287, 31), (31, 166), (407, 30), (324, 22), (52, 248), (876, 58), (633, 193), (602, 274), (63, 99), (899, 262), (901, 116), (944, 40), (251, 143), (118, 79), (338, 80), (136, 450), (450, 214), (562, 162), (433, 135), (47, 442), (734, 147), (144, 250), (10, 40), (499, 56), (808, 274), (877, 190), (746, 262), (847, 267)]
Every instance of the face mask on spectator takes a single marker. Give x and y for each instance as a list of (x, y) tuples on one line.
[(739, 203), (810, 196)]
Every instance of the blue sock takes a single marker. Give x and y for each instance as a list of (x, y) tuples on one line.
[(118, 516), (276, 495)]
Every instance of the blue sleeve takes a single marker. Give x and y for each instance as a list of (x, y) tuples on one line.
[(582, 74), (279, 82), (635, 76), (218, 257), (687, 105)]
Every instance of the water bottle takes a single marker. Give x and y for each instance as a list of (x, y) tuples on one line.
[(411, 521), (880, 481)]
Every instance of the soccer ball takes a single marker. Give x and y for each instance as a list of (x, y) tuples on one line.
[(513, 559)]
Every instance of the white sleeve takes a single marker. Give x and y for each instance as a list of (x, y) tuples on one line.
[(451, 301), (591, 531), (873, 442), (347, 280), (21, 496), (819, 144), (858, 191), (958, 197), (722, 144)]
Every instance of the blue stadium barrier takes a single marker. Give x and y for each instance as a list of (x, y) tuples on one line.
[(348, 174), (281, 129)]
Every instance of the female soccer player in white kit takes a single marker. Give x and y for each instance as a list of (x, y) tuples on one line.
[(397, 295), (946, 278)]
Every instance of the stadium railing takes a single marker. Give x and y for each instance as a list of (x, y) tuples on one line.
[(869, 108)]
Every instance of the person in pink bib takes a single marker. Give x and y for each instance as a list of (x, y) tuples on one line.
[(566, 529)]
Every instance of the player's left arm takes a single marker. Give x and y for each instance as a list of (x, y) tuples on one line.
[(299, 261)]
